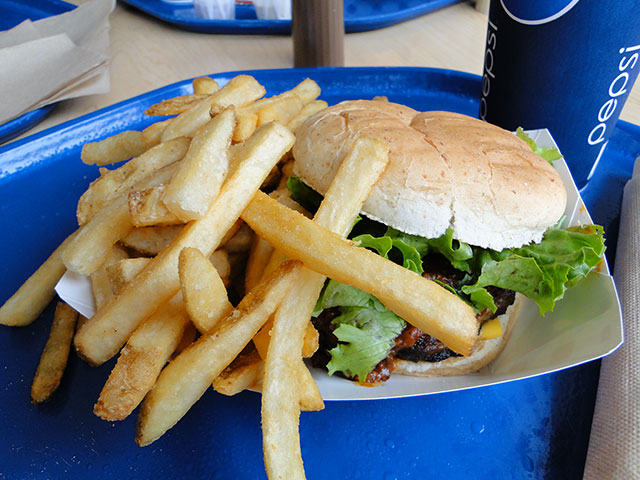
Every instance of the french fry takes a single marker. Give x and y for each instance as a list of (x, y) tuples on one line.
[(175, 105), (358, 173), (87, 250), (380, 98), (100, 284), (56, 352), (151, 240), (188, 376), (141, 360), (159, 281), (241, 240), (113, 184), (220, 260), (240, 375), (308, 110), (114, 149), (205, 85), (234, 382), (248, 116), (241, 90), (197, 182), (310, 342), (231, 232), (152, 135), (204, 293), (26, 305), (259, 256), (420, 302), (282, 111), (147, 209), (247, 122), (309, 397), (188, 337), (120, 273)]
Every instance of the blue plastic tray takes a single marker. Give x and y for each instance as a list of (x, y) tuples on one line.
[(359, 16), (528, 429), (11, 14)]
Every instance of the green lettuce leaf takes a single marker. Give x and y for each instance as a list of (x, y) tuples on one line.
[(548, 153), (541, 271), (304, 194), (365, 329), (366, 336)]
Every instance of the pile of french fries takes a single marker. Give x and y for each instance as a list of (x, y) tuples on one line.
[(201, 279)]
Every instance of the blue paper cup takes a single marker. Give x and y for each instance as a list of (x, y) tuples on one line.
[(565, 65)]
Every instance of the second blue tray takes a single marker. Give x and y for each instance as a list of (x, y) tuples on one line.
[(359, 16)]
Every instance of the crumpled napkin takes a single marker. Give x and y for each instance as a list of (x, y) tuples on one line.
[(56, 58), (273, 9), (215, 9), (614, 446)]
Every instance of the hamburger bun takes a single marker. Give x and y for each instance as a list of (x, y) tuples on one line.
[(445, 170)]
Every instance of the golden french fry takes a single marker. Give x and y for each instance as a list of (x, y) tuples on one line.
[(197, 182), (114, 149), (188, 376), (26, 305), (56, 352), (188, 337), (310, 399), (147, 209), (152, 135), (231, 232), (284, 110), (205, 295), (115, 183), (100, 284), (240, 375), (220, 260), (240, 90), (380, 98), (307, 91), (88, 249), (151, 240), (205, 85), (308, 110), (141, 360), (248, 116), (159, 281), (241, 240), (283, 196), (422, 303), (259, 256), (310, 342), (175, 105), (247, 372), (247, 122), (120, 273), (358, 173)]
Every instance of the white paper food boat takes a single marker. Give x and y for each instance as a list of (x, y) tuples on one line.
[(585, 325)]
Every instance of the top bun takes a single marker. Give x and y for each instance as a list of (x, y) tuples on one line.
[(445, 170)]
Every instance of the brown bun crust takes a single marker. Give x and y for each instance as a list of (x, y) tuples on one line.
[(484, 352), (445, 170)]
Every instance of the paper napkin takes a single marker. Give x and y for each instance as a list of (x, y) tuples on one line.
[(273, 9), (56, 58), (614, 447)]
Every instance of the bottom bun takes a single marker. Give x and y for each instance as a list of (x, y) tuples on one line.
[(484, 352)]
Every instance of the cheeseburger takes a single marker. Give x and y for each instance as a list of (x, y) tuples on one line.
[(463, 203)]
